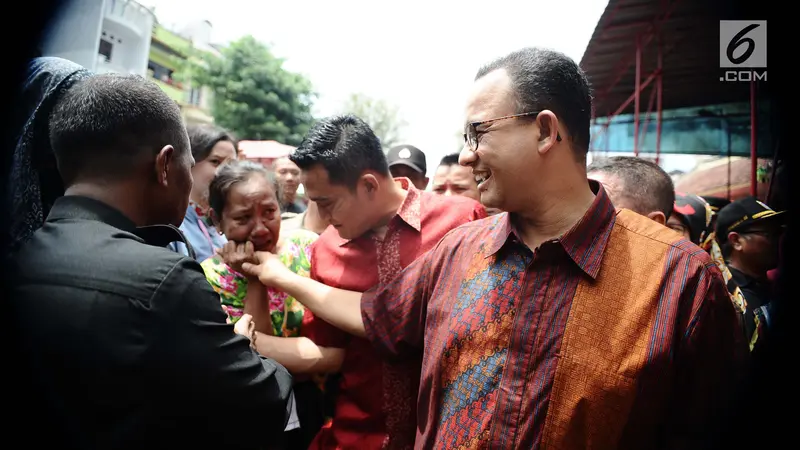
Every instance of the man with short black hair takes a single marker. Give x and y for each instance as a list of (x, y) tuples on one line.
[(127, 343), (561, 322), (380, 225), (636, 184), (409, 162)]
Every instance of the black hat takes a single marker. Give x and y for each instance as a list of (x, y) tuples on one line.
[(742, 214), (407, 155)]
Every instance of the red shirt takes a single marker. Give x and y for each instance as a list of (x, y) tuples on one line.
[(619, 334), (375, 405)]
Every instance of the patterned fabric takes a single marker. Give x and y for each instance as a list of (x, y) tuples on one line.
[(591, 341), (375, 403), (32, 182), (285, 311)]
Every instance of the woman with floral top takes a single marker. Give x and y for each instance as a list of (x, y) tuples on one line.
[(211, 147), (243, 197)]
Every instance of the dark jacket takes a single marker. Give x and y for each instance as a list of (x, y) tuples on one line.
[(127, 345)]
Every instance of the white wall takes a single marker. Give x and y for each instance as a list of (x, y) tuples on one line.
[(75, 33)]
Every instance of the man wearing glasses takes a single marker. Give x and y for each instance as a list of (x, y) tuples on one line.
[(559, 323), (748, 232)]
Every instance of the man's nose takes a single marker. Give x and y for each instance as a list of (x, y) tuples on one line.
[(467, 157)]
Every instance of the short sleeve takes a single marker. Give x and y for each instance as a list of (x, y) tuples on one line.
[(320, 332), (229, 284), (394, 314), (295, 253)]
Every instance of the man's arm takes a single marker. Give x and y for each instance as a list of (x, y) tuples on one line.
[(710, 364), (299, 355), (339, 307), (208, 368)]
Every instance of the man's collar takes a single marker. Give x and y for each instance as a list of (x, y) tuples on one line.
[(80, 207), (585, 242), (85, 208), (410, 209)]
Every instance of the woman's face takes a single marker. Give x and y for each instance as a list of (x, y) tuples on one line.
[(252, 214), (203, 171)]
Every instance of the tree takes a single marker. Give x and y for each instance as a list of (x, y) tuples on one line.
[(254, 96), (380, 115)]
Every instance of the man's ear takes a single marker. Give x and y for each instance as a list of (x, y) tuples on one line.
[(735, 239), (370, 183), (658, 216), (164, 163)]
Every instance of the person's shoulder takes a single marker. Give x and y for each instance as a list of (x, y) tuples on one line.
[(97, 256), (431, 202), (646, 235)]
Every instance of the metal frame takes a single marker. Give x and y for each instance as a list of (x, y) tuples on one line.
[(653, 32)]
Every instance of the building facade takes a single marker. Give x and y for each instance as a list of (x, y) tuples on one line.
[(102, 35), (122, 36)]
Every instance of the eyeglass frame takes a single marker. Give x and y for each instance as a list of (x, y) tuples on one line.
[(473, 127)]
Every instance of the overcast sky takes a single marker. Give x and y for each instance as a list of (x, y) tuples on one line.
[(419, 55)]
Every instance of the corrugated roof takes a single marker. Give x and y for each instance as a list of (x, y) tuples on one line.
[(689, 31)]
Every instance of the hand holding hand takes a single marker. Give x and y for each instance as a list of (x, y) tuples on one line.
[(235, 254), (268, 268)]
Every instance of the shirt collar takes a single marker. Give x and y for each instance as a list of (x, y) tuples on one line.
[(409, 211), (585, 242), (79, 207)]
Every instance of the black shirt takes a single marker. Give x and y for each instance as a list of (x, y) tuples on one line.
[(127, 344)]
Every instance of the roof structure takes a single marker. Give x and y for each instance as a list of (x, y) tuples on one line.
[(258, 150), (688, 33)]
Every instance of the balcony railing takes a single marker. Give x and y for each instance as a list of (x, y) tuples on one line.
[(132, 13), (174, 92)]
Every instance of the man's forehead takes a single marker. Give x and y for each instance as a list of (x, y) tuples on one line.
[(491, 96), (284, 162)]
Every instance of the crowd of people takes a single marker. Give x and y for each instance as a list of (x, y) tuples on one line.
[(171, 294)]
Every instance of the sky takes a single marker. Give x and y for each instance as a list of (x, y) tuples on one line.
[(419, 55)]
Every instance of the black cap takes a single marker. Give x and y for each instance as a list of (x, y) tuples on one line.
[(742, 214), (408, 155)]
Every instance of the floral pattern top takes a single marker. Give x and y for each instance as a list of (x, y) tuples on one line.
[(285, 311)]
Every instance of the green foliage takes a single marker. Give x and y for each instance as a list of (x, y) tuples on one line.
[(380, 115), (254, 96)]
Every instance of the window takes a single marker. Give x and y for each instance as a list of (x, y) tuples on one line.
[(105, 49)]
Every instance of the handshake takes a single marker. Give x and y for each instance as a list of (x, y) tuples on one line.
[(243, 258)]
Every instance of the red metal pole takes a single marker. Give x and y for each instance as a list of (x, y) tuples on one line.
[(753, 138), (638, 89), (647, 114), (659, 88), (624, 65)]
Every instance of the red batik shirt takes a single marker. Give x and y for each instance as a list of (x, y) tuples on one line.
[(619, 334), (375, 405)]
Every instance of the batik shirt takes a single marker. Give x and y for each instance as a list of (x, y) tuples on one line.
[(286, 312)]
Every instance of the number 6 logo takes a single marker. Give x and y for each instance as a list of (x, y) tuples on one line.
[(737, 41), (743, 44)]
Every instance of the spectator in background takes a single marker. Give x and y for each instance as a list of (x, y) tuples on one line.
[(636, 184), (211, 147), (451, 178), (289, 177), (409, 162)]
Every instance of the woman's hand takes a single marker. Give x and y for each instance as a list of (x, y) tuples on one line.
[(235, 254), (245, 327), (268, 268)]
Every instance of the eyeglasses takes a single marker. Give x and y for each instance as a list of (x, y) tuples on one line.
[(471, 136)]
